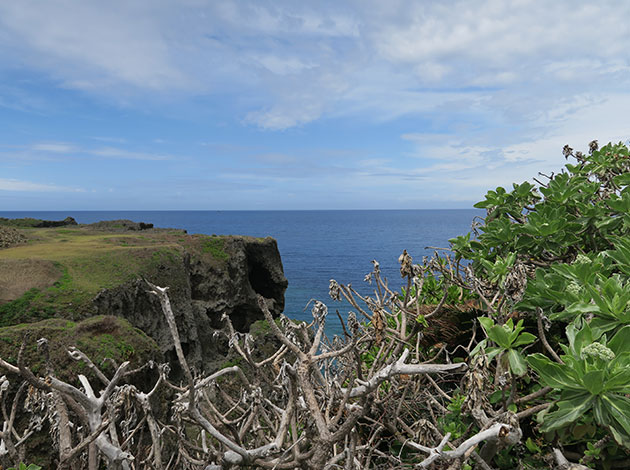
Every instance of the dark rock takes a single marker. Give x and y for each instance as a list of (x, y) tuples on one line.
[(37, 223), (56, 223), (120, 225), (202, 289)]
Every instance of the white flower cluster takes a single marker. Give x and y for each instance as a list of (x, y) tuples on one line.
[(581, 259), (574, 288), (597, 351)]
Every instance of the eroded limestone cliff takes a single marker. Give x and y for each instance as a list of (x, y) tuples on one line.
[(98, 270), (202, 290)]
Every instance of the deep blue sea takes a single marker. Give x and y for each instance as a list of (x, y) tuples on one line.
[(316, 246)]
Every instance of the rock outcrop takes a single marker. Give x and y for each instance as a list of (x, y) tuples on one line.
[(120, 225), (37, 223), (202, 290), (97, 269)]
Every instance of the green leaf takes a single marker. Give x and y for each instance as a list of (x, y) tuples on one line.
[(422, 321), (621, 341), (619, 381), (523, 339), (492, 352), (513, 331), (579, 339), (619, 435), (517, 362), (554, 375), (618, 407), (486, 323), (622, 180), (599, 413), (499, 335), (580, 308), (601, 325), (568, 411), (594, 381), (481, 345), (581, 430), (532, 446)]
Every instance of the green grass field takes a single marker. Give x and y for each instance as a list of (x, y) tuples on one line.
[(60, 270)]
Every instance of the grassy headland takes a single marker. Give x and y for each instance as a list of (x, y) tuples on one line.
[(59, 270)]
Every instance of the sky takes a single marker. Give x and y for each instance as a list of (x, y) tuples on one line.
[(260, 105)]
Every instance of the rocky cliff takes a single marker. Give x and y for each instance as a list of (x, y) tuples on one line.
[(202, 290), (98, 270)]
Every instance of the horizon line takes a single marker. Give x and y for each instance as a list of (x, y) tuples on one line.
[(236, 210)]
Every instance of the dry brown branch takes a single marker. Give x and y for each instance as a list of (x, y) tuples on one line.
[(312, 403)]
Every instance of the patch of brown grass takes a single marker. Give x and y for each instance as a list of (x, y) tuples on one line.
[(20, 275)]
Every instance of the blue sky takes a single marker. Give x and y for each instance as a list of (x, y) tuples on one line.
[(195, 104)]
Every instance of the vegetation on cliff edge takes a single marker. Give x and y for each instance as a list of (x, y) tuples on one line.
[(87, 260), (540, 380)]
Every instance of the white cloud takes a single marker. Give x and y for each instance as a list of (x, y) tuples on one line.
[(300, 61), (275, 158), (29, 186), (54, 147), (58, 151), (283, 66), (91, 44), (116, 140), (488, 89), (577, 125), (498, 33), (111, 152)]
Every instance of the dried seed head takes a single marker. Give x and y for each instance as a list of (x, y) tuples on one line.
[(516, 282), (353, 324), (406, 266), (319, 311), (567, 151), (334, 290)]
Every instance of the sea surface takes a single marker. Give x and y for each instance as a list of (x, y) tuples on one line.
[(315, 246)]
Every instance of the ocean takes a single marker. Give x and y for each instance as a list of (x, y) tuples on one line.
[(315, 246)]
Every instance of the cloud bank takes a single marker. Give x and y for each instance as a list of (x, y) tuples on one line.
[(486, 89)]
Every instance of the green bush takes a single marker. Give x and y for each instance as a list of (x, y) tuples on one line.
[(558, 254)]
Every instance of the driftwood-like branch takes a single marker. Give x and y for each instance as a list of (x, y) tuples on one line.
[(236, 454), (399, 367), (563, 464), (312, 403), (503, 433)]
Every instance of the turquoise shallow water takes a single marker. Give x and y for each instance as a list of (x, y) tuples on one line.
[(316, 246)]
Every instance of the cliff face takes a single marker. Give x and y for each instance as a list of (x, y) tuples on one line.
[(201, 292), (97, 270)]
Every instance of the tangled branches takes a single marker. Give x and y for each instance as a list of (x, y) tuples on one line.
[(372, 399)]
